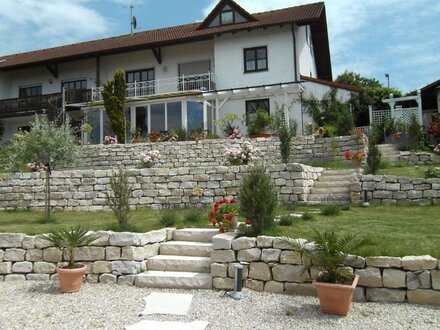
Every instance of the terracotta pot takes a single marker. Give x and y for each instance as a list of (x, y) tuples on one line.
[(335, 298), (71, 278)]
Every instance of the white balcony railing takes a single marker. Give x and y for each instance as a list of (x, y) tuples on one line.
[(201, 82)]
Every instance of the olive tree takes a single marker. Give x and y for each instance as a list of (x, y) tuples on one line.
[(45, 147), (113, 95)]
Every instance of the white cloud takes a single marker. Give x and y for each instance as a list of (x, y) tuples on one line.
[(47, 23)]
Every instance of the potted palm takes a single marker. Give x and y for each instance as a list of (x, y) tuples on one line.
[(330, 253), (69, 240)]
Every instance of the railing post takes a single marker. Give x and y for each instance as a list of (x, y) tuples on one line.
[(209, 80), (135, 89), (183, 82)]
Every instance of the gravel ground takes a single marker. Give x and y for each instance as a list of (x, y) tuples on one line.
[(39, 305)]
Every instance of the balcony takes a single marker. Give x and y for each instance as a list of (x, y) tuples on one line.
[(200, 82), (27, 106)]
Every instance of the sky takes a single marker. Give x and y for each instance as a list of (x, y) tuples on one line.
[(370, 37)]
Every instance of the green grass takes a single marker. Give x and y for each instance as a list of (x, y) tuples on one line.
[(31, 222), (407, 171), (397, 230)]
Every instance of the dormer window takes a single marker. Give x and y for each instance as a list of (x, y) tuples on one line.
[(227, 17)]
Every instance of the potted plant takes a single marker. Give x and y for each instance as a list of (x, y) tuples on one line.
[(69, 240), (330, 253), (259, 124)]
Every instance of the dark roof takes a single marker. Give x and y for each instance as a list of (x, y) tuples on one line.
[(429, 95), (216, 11), (313, 14), (332, 84)]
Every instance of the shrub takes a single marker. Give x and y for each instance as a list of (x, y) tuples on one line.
[(118, 198), (415, 133), (224, 215), (258, 199), (286, 220), (307, 216), (259, 122), (432, 172), (285, 131), (181, 133), (331, 210), (193, 216), (374, 158), (168, 219), (241, 155)]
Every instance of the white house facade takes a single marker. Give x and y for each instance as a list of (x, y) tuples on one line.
[(184, 76)]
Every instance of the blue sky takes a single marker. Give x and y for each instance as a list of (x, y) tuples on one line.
[(371, 37)]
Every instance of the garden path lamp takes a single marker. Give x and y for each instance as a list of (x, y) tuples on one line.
[(238, 285), (365, 198)]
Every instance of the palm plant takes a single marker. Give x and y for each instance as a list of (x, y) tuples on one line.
[(331, 253), (70, 239)]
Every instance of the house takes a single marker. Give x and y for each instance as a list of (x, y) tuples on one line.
[(183, 76), (430, 101)]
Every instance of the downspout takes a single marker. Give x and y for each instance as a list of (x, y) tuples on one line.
[(295, 60)]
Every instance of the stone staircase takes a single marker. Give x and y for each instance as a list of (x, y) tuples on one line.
[(390, 152), (333, 187), (182, 263)]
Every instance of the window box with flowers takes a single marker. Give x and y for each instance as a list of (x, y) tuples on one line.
[(356, 157)]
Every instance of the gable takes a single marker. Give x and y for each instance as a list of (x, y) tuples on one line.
[(225, 13)]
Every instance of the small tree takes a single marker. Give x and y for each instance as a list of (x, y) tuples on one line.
[(286, 131), (45, 147), (113, 95), (119, 197), (374, 154), (258, 199)]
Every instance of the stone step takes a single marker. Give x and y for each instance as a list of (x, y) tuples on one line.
[(329, 198), (173, 280), (331, 184), (327, 178), (313, 203), (179, 263), (332, 190), (186, 248), (195, 234), (340, 172)]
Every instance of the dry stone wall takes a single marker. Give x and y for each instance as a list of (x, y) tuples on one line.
[(211, 152), (392, 189), (270, 265), (113, 258), (84, 190), (418, 158)]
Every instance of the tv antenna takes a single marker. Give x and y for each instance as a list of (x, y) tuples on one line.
[(133, 21)]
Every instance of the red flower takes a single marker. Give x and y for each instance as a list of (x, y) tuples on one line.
[(248, 222), (212, 214), (347, 155), (222, 230), (228, 216)]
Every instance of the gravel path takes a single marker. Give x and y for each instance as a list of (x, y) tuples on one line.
[(39, 305)]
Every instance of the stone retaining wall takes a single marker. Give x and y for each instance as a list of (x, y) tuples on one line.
[(271, 266), (211, 152), (418, 158), (84, 190), (113, 258), (392, 189)]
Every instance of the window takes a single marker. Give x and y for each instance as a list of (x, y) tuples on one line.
[(75, 84), (255, 59), (144, 76), (226, 17), (254, 105), (30, 91)]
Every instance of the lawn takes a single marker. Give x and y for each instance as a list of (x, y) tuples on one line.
[(414, 171), (397, 230)]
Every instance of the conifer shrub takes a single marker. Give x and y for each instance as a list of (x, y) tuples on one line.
[(258, 199)]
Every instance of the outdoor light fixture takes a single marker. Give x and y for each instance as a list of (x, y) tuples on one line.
[(365, 199), (238, 285), (388, 79)]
